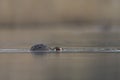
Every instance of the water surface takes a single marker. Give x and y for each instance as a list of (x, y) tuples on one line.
[(63, 66)]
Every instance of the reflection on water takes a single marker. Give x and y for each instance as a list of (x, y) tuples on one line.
[(80, 66), (83, 66)]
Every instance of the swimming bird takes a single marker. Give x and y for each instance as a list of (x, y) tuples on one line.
[(39, 48), (42, 49), (57, 49)]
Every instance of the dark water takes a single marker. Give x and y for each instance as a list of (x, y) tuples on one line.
[(80, 66), (71, 66)]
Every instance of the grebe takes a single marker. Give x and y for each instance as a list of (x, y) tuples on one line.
[(57, 49), (40, 48)]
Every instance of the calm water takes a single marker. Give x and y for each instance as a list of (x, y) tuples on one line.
[(83, 66), (71, 66)]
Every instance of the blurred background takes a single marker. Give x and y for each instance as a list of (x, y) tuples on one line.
[(78, 22), (58, 11), (64, 23)]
